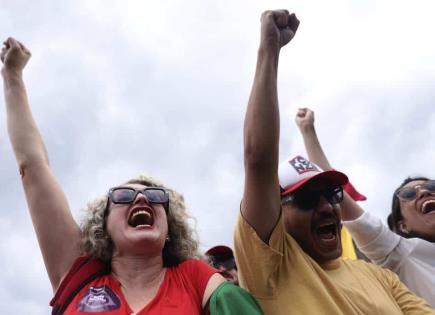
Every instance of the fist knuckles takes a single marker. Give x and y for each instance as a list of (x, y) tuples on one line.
[(278, 27), (14, 54)]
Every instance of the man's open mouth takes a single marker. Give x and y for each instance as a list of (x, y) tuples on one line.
[(141, 217), (428, 206), (327, 231)]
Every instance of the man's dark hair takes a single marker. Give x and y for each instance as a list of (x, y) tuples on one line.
[(396, 214)]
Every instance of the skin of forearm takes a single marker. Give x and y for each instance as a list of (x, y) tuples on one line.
[(350, 209), (25, 138), (313, 147), (261, 131)]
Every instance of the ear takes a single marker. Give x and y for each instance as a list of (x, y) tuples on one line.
[(402, 227)]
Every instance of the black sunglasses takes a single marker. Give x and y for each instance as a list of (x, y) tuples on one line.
[(125, 195), (309, 199), (410, 193), (227, 263)]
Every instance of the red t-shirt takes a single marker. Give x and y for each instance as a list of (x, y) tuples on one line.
[(180, 293)]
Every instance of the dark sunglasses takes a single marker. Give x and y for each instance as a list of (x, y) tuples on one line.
[(228, 264), (309, 199), (410, 193), (125, 195)]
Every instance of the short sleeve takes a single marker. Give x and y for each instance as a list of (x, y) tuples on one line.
[(231, 299), (409, 303), (257, 261), (198, 273)]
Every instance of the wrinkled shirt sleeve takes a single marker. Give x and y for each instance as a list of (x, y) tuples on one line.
[(377, 242)]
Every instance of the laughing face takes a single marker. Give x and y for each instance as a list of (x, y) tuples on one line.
[(139, 227), (418, 214), (317, 229)]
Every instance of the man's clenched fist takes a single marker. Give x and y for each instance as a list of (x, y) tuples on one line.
[(14, 55), (278, 28)]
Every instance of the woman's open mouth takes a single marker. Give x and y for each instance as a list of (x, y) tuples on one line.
[(428, 206), (141, 217)]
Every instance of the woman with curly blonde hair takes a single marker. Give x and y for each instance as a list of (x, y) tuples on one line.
[(184, 245), (138, 231)]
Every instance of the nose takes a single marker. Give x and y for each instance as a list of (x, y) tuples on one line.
[(421, 191), (324, 206), (141, 198)]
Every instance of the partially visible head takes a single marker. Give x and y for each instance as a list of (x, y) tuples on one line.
[(310, 200), (413, 209), (108, 228), (221, 257)]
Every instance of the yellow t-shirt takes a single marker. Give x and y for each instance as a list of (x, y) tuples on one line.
[(285, 280)]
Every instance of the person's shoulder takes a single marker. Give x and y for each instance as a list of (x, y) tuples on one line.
[(193, 265), (193, 273), (362, 266), (192, 261), (417, 249), (420, 242), (369, 269), (244, 231)]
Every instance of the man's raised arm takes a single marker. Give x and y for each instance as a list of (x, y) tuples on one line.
[(261, 199)]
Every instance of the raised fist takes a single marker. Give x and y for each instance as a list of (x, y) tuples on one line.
[(304, 118), (14, 55), (278, 28)]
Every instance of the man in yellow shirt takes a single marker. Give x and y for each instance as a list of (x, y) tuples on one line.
[(287, 239)]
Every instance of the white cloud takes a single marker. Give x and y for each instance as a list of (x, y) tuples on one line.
[(124, 87)]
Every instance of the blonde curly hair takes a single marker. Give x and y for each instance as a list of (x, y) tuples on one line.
[(183, 240)]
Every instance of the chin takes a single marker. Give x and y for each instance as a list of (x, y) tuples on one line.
[(336, 254)]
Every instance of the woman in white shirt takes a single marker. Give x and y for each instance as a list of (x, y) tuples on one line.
[(413, 209)]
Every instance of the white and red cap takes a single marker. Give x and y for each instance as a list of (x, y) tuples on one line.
[(298, 171)]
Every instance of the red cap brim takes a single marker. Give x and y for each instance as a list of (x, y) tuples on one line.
[(332, 178), (353, 193)]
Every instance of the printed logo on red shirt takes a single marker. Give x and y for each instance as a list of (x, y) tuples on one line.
[(99, 299), (301, 165)]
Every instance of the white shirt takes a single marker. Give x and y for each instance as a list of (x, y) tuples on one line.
[(413, 259)]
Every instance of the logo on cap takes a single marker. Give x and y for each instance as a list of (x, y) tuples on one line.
[(301, 165)]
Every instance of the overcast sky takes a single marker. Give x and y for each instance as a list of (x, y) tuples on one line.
[(120, 88)]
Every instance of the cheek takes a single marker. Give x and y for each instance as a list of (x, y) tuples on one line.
[(161, 214), (337, 209), (113, 220), (110, 226), (409, 213), (297, 222)]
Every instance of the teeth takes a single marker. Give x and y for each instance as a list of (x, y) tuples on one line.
[(145, 219), (326, 224), (140, 212)]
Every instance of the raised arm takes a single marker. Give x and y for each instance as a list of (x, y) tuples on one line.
[(58, 234), (305, 121), (376, 241), (261, 199)]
